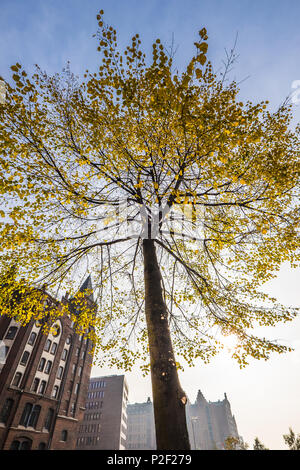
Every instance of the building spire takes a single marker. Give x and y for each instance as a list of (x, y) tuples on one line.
[(200, 397), (88, 285)]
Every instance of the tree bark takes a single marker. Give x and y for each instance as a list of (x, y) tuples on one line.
[(169, 399)]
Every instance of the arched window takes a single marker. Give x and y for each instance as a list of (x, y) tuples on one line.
[(32, 338), (17, 379), (42, 387), (47, 345), (49, 419), (26, 413), (30, 415), (48, 367), (6, 409), (34, 416), (25, 357), (60, 372), (56, 329), (64, 435), (68, 340), (35, 384), (15, 445), (42, 446), (64, 354), (55, 391), (26, 444), (53, 348), (11, 332), (42, 364), (22, 443)]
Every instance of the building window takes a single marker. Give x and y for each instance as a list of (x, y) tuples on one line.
[(3, 353), (60, 372), (55, 391), (68, 340), (64, 435), (77, 351), (49, 419), (42, 387), (55, 330), (64, 354), (32, 338), (73, 369), (80, 371), (6, 409), (48, 367), (42, 446), (11, 333), (76, 389), (34, 416), (42, 364), (53, 348), (35, 384), (24, 444), (47, 345), (17, 379), (30, 415), (25, 357)]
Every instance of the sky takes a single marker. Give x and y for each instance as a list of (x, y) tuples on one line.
[(264, 396)]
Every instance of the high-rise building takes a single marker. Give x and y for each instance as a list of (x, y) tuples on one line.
[(104, 423), (210, 423), (140, 426), (43, 381)]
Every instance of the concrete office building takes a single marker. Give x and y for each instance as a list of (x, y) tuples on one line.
[(43, 381), (140, 427), (104, 424), (209, 424)]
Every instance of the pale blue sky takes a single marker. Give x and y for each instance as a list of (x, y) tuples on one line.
[(264, 396)]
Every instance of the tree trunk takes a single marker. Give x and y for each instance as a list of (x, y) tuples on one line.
[(168, 397)]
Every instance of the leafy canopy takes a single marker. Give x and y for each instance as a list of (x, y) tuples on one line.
[(90, 167)]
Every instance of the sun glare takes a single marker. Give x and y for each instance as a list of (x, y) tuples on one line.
[(229, 342)]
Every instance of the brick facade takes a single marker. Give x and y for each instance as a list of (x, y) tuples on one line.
[(56, 379)]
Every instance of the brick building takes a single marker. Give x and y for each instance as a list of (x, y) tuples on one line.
[(104, 424), (43, 381)]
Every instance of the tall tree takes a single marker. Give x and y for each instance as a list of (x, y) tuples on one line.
[(180, 199)]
